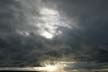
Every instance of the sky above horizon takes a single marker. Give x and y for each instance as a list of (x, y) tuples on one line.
[(32, 31)]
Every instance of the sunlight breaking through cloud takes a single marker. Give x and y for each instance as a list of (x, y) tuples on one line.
[(50, 22), (47, 11), (50, 18)]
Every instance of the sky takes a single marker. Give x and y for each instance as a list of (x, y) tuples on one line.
[(32, 31)]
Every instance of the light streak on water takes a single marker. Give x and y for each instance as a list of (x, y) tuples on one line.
[(64, 67)]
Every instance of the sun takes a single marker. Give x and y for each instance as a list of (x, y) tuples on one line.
[(47, 11), (47, 35), (50, 19)]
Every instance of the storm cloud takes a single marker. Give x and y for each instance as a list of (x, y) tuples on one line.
[(83, 7), (76, 29)]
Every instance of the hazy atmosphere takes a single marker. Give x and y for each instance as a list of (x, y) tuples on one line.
[(33, 31)]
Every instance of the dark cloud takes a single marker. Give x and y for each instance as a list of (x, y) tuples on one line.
[(21, 45), (83, 7), (95, 32)]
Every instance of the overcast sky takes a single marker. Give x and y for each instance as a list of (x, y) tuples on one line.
[(35, 30)]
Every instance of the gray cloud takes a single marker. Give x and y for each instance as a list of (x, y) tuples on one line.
[(21, 45), (83, 7)]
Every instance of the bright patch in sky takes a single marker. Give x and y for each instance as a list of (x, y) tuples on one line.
[(48, 28), (47, 11), (47, 35), (49, 23)]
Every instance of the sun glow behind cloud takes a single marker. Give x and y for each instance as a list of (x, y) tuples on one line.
[(50, 18), (47, 11), (49, 23)]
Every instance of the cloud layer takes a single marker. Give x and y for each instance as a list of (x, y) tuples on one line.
[(83, 36)]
